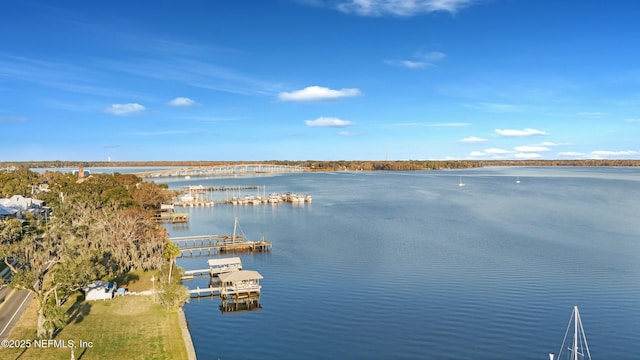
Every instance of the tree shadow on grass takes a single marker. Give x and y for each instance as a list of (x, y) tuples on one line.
[(123, 280), (78, 310)]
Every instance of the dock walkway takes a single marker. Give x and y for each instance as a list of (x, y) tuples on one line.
[(215, 244)]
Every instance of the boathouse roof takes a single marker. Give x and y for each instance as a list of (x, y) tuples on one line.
[(225, 261), (240, 276)]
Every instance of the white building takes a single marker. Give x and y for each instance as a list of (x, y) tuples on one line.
[(99, 290)]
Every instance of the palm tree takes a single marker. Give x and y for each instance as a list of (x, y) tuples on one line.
[(171, 251)]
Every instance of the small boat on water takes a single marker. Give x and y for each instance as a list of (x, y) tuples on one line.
[(518, 180), (578, 349), (460, 184)]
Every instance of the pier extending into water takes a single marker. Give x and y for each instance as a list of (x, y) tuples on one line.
[(215, 244), (220, 243), (238, 289)]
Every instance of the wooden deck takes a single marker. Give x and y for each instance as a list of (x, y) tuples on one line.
[(215, 244)]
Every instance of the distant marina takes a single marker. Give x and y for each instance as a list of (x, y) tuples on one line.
[(195, 195)]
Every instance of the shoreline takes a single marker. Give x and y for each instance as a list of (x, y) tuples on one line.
[(186, 335)]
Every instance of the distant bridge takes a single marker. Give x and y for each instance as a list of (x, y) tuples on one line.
[(223, 170)]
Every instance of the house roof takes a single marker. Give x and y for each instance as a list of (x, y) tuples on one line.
[(98, 285), (21, 203), (5, 211), (225, 261), (240, 276)]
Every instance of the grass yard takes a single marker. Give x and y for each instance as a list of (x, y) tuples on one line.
[(128, 327)]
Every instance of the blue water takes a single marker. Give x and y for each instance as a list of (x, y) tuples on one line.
[(408, 265)]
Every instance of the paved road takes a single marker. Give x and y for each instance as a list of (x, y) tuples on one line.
[(12, 305)]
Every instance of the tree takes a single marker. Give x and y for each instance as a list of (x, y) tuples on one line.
[(171, 251), (97, 227)]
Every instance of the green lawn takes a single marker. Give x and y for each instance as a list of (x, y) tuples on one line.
[(129, 327)]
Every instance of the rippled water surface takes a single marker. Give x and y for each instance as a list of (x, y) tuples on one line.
[(408, 265)]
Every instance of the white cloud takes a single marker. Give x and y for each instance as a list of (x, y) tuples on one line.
[(477, 153), (549, 143), (182, 101), (527, 156), (124, 109), (614, 153), (525, 132), (315, 93), (347, 133), (328, 122), (421, 60), (473, 139), (432, 56), (495, 151), (400, 7), (531, 148), (571, 153), (408, 63)]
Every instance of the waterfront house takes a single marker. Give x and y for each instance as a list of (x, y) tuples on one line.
[(99, 290), (24, 205), (7, 213)]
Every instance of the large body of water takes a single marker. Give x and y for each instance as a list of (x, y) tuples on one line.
[(408, 265)]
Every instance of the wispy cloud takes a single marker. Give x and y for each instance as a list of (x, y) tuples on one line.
[(208, 118), (473, 139), (190, 68), (531, 148), (182, 102), (614, 153), (400, 7), (601, 154), (494, 107), (592, 113), (548, 143), (419, 61), (632, 120), (451, 124), (167, 132), (496, 151), (572, 153), (12, 119), (59, 75), (328, 122), (410, 64), (525, 132), (527, 155), (347, 133), (124, 109), (316, 93), (492, 152)]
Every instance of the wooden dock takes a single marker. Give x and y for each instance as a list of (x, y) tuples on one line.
[(172, 218), (226, 247), (215, 244), (205, 292)]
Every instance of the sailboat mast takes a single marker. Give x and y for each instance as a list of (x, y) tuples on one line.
[(575, 333), (235, 224)]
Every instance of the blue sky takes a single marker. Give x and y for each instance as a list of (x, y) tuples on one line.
[(319, 79)]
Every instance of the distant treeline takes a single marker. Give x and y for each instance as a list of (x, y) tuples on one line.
[(318, 165)]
